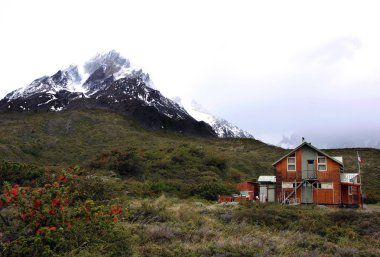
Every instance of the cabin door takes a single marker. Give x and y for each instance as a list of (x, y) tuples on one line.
[(307, 193), (308, 157), (263, 193), (271, 195)]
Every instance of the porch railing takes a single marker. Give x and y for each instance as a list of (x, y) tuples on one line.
[(327, 175)]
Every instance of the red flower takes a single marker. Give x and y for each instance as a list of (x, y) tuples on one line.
[(53, 228), (14, 192), (26, 188), (54, 202), (115, 218), (39, 231), (66, 200), (116, 209), (62, 179), (23, 215), (37, 203)]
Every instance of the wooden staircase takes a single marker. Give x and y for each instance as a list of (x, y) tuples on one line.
[(287, 198)]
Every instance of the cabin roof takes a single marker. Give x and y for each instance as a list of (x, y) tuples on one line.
[(338, 160), (267, 179), (348, 177)]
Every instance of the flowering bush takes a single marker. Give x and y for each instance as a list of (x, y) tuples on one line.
[(49, 213), (38, 209)]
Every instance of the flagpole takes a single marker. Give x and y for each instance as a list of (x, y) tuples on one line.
[(360, 179)]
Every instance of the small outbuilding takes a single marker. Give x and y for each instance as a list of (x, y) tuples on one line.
[(248, 191), (267, 191)]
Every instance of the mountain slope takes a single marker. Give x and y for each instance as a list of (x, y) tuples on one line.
[(222, 127), (83, 136), (108, 82)]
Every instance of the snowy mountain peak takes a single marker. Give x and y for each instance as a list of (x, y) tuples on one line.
[(66, 79), (222, 127), (73, 73), (95, 74), (111, 63), (107, 81), (198, 107)]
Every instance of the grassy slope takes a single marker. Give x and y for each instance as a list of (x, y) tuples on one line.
[(77, 137), (168, 226), (172, 227)]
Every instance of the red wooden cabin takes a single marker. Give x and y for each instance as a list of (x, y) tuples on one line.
[(307, 175), (248, 191)]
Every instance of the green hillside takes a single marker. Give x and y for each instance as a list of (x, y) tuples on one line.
[(104, 141), (141, 193)]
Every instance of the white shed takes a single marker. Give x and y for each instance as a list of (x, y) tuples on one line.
[(267, 188)]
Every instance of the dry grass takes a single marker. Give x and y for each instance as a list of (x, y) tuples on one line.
[(194, 228)]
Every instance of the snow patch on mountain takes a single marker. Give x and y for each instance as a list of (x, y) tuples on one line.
[(68, 79), (222, 127), (112, 61)]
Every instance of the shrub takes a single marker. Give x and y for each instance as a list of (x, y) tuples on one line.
[(46, 220), (370, 197), (216, 162), (161, 233), (19, 173), (212, 190), (158, 187), (98, 188), (268, 216), (128, 163), (149, 212)]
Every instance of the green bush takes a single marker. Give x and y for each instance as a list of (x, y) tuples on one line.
[(371, 197), (19, 173), (99, 188), (149, 212), (128, 163), (216, 162), (212, 190), (271, 216), (158, 187)]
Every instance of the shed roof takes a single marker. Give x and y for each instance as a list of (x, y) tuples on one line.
[(338, 160), (267, 179), (348, 177)]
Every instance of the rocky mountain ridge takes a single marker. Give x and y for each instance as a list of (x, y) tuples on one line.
[(108, 81)]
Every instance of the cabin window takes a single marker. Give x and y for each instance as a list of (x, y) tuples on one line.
[(326, 185), (321, 162), (289, 185), (350, 190), (292, 162)]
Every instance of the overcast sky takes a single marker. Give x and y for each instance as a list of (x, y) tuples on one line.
[(281, 70)]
